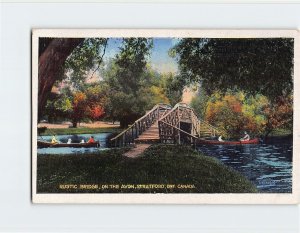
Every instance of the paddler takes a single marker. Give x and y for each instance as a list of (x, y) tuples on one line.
[(246, 137), (54, 140), (91, 140)]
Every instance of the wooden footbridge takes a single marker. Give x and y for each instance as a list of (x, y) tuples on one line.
[(177, 125)]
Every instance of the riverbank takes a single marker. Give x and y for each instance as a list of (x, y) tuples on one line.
[(176, 169), (281, 133)]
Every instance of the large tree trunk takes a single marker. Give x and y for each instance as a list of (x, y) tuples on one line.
[(51, 62), (74, 123), (124, 123)]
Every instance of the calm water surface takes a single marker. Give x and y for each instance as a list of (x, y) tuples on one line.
[(268, 166), (101, 137)]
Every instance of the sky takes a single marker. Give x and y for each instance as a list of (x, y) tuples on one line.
[(159, 58)]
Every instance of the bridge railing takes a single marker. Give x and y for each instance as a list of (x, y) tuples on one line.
[(198, 122), (166, 124), (127, 136), (169, 125), (175, 135)]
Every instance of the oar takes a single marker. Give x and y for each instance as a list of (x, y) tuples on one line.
[(52, 132)]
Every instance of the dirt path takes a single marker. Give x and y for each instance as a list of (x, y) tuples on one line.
[(137, 150), (96, 124)]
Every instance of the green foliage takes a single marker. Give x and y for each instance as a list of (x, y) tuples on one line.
[(173, 86), (64, 104), (257, 66), (58, 107), (262, 68), (160, 164), (199, 102), (85, 58), (131, 83), (157, 95), (131, 63)]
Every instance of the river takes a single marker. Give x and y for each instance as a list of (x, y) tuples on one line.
[(267, 166)]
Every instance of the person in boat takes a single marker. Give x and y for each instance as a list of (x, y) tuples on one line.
[(91, 140), (69, 141), (220, 139), (82, 141), (246, 137), (54, 140)]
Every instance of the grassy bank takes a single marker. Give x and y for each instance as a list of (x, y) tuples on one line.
[(280, 133), (80, 131), (169, 165)]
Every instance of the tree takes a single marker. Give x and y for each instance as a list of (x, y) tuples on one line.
[(52, 55), (233, 113), (77, 105), (279, 115), (96, 97), (58, 107), (260, 65), (84, 61), (79, 108), (199, 102), (96, 112), (156, 95), (125, 78), (59, 56), (173, 87)]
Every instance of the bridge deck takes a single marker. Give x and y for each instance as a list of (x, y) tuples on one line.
[(151, 135)]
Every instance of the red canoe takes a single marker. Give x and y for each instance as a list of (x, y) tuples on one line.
[(216, 142)]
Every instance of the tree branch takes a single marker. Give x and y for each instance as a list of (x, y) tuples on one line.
[(100, 61)]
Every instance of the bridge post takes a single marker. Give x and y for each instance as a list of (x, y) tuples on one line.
[(139, 124), (179, 133)]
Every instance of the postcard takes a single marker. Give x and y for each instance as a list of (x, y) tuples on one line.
[(165, 116)]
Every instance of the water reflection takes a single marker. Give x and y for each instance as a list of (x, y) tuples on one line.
[(101, 137), (268, 166)]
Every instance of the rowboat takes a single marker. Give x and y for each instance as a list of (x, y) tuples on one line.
[(216, 142), (44, 144)]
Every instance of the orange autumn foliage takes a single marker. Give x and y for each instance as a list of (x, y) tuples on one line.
[(84, 107), (234, 114), (79, 107), (279, 114), (96, 112), (79, 99)]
